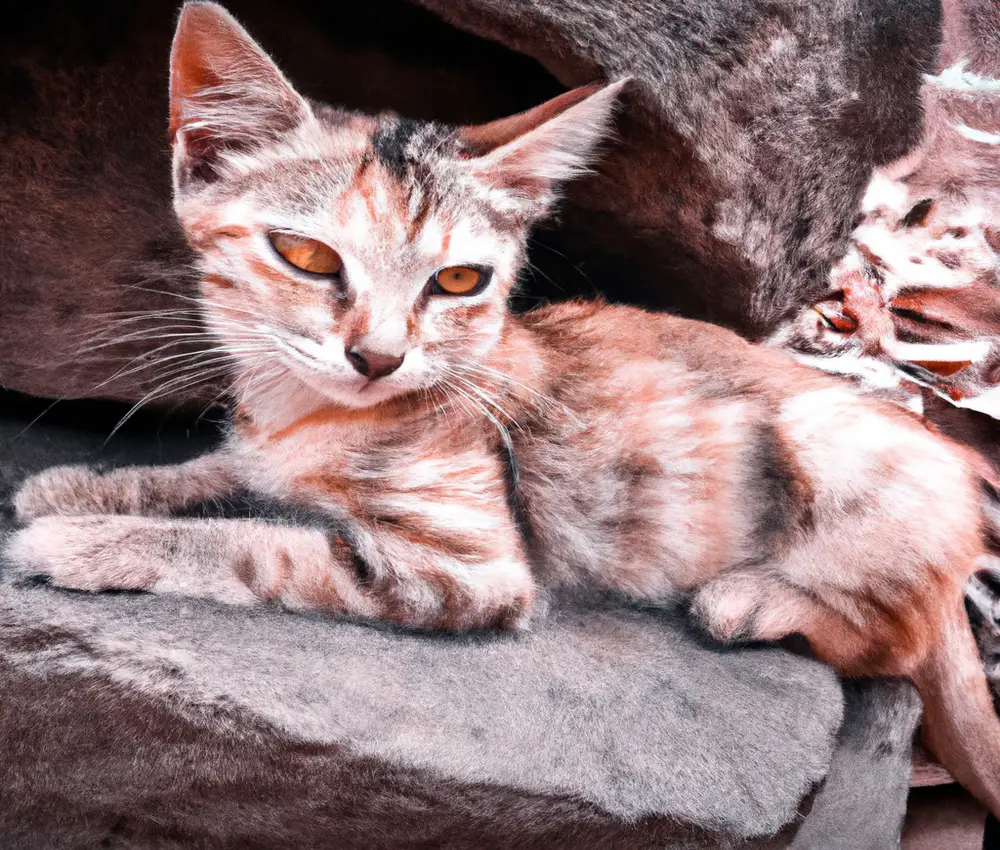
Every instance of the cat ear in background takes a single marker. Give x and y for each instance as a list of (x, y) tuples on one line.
[(225, 92), (531, 152)]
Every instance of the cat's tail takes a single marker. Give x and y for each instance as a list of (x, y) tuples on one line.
[(961, 726)]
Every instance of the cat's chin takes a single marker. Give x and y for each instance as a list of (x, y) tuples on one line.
[(354, 394)]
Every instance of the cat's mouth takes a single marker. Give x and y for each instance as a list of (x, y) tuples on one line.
[(336, 383)]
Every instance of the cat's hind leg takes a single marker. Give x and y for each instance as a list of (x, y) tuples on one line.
[(922, 633), (754, 604)]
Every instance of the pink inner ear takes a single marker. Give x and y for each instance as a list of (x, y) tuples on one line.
[(202, 32), (531, 154), (480, 139), (211, 50)]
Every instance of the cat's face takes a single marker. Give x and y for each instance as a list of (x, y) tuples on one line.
[(362, 280), (367, 257)]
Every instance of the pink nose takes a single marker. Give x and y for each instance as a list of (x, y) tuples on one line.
[(373, 364)]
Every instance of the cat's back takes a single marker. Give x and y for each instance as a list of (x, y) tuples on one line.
[(622, 361), (615, 342), (692, 450)]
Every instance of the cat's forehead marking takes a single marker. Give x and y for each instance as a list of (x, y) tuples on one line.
[(471, 244), (360, 210), (433, 238), (392, 143)]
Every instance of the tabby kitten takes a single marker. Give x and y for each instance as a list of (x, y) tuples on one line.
[(914, 304), (357, 269)]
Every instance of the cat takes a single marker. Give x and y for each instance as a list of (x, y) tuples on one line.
[(912, 309), (455, 459)]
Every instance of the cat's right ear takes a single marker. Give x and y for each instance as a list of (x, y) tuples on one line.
[(530, 154), (226, 94)]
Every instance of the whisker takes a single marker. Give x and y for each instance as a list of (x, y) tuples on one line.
[(125, 371), (162, 390), (136, 337), (542, 398), (501, 430)]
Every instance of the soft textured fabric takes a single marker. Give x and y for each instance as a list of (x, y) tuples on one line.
[(750, 133)]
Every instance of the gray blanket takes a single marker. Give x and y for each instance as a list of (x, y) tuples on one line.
[(145, 721)]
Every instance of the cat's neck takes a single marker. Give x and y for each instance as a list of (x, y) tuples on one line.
[(274, 404), (279, 407)]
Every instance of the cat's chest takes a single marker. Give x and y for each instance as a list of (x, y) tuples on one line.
[(331, 464), (300, 465)]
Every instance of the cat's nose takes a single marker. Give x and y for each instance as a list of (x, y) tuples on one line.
[(373, 364)]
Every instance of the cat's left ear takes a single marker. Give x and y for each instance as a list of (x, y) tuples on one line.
[(530, 153), (226, 94)]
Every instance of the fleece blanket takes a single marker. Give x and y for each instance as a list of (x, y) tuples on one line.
[(139, 721)]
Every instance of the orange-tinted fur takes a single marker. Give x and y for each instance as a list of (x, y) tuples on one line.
[(657, 457)]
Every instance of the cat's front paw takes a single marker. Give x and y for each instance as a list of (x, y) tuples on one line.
[(80, 553), (62, 491)]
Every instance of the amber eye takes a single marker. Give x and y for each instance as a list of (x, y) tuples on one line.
[(306, 254), (460, 280)]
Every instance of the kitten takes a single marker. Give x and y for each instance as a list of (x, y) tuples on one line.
[(913, 307), (357, 271)]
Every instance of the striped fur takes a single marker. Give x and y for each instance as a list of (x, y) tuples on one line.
[(919, 287), (653, 456)]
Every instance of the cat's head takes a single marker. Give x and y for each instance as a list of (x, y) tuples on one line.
[(368, 257)]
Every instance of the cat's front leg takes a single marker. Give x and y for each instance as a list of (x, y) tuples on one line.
[(142, 490), (238, 562), (427, 577), (246, 561)]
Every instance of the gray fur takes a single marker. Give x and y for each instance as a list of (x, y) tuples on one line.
[(869, 773), (758, 125), (645, 730)]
